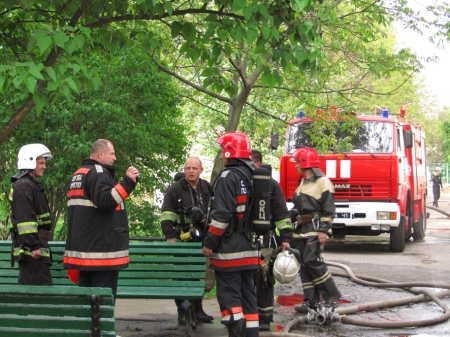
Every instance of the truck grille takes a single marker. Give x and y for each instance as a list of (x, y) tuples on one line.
[(375, 190)]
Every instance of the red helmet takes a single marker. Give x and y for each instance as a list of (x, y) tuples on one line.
[(306, 156), (235, 144), (73, 275)]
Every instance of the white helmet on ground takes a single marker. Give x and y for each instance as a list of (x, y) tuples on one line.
[(26, 159), (286, 267)]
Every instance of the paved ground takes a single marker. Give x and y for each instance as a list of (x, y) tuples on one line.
[(421, 261)]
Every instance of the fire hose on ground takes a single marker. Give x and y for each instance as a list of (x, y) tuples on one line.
[(437, 209), (339, 315)]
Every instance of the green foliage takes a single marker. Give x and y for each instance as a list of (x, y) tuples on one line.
[(135, 108), (250, 56), (445, 128)]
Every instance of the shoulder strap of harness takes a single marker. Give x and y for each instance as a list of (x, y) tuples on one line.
[(178, 192), (239, 223)]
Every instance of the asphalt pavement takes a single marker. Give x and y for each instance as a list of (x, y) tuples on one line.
[(424, 261)]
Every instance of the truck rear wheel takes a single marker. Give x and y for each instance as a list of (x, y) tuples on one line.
[(421, 225), (397, 238), (419, 229)]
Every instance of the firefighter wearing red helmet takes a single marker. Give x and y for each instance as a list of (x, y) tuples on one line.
[(233, 256), (314, 212)]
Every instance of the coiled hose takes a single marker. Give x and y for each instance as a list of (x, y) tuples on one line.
[(378, 282)]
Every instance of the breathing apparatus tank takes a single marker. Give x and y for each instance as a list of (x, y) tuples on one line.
[(261, 201)]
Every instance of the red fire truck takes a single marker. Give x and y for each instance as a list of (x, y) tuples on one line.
[(380, 184)]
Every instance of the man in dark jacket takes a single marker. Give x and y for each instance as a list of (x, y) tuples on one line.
[(314, 209), (233, 250), (98, 234), (32, 223), (280, 222), (437, 187), (184, 209)]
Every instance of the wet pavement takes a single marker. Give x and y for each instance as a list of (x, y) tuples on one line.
[(425, 261)]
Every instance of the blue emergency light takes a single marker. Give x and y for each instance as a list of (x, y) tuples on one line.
[(385, 113), (301, 114)]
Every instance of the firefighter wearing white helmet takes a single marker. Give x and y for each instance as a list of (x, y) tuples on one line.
[(314, 212), (32, 223)]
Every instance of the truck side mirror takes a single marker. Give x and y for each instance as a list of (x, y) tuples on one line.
[(274, 141), (408, 139)]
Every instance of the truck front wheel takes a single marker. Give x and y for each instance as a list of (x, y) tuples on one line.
[(397, 238)]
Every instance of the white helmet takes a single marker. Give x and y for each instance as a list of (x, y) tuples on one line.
[(26, 159), (286, 267)]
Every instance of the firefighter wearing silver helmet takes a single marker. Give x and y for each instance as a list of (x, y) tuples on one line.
[(32, 223), (314, 212)]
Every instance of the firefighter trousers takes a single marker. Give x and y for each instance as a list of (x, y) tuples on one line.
[(34, 273), (237, 299), (264, 286), (101, 278), (315, 276)]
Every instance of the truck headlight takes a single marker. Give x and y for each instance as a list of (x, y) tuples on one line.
[(382, 215)]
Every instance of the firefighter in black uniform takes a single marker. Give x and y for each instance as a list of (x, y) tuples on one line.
[(280, 222), (97, 242), (314, 212), (231, 241), (183, 217), (437, 187), (32, 223)]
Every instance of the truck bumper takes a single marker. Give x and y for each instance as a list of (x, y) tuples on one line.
[(367, 214)]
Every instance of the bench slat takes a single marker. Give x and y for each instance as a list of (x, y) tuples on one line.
[(54, 322), (149, 292), (53, 309), (20, 332)]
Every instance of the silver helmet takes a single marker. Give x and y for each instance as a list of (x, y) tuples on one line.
[(26, 158), (286, 267)]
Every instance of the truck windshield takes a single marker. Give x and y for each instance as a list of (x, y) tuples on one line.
[(370, 136)]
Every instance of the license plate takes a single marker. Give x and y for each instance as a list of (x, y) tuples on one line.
[(343, 215)]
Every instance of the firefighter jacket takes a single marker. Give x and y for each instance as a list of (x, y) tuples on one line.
[(30, 213), (232, 250), (280, 213), (98, 234), (315, 196), (178, 196), (437, 182)]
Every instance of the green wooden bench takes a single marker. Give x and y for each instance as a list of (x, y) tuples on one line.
[(38, 311), (157, 270)]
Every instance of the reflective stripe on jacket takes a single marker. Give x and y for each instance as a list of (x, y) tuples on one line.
[(315, 195), (97, 220), (231, 250), (170, 216), (30, 213)]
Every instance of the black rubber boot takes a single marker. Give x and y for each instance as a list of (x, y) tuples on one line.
[(200, 315), (238, 329), (264, 321), (180, 311), (303, 309)]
